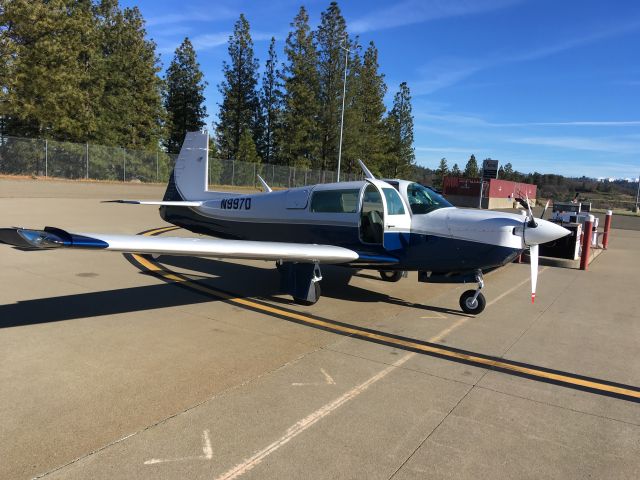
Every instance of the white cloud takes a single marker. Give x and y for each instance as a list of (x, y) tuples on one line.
[(601, 144), (467, 150), (208, 41), (220, 13), (418, 11), (477, 121), (446, 71)]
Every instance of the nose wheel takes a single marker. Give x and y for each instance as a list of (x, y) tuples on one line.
[(391, 275), (473, 301)]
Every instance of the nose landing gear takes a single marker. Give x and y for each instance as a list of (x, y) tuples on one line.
[(472, 301)]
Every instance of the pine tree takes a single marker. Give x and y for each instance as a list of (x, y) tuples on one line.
[(298, 137), (184, 96), (240, 106), (471, 169), (8, 54), (442, 171), (353, 142), (47, 87), (400, 131), (508, 173), (455, 171), (332, 39), (247, 148), (270, 106), (372, 140), (129, 110)]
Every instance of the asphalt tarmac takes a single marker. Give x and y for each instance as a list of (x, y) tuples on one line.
[(114, 367)]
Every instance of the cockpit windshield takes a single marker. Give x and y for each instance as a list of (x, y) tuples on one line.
[(424, 200)]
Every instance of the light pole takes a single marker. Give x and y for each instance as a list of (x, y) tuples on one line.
[(344, 91)]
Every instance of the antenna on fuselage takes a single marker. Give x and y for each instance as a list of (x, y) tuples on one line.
[(366, 171), (265, 186)]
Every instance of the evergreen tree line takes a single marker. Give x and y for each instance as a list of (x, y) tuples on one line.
[(84, 71), (292, 115), (505, 172), (78, 71)]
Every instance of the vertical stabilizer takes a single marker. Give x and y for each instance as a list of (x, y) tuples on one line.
[(190, 177)]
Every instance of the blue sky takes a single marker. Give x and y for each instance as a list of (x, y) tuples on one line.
[(550, 86)]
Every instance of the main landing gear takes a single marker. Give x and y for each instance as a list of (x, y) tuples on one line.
[(472, 301), (301, 281)]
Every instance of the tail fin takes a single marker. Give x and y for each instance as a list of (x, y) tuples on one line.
[(190, 177)]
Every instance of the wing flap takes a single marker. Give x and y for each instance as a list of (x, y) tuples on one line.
[(202, 247)]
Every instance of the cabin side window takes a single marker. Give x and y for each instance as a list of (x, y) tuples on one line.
[(335, 201), (394, 202)]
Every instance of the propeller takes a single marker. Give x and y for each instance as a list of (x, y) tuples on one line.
[(533, 260), (545, 208), (531, 220), (533, 247)]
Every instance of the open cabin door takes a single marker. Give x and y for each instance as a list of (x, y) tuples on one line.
[(384, 217)]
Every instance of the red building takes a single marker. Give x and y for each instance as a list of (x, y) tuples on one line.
[(465, 192)]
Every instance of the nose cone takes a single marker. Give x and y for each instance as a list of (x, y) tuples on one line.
[(545, 232)]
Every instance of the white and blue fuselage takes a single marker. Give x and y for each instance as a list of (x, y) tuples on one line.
[(396, 224)]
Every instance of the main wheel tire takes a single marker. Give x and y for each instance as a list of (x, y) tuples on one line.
[(306, 302), (468, 305), (390, 275)]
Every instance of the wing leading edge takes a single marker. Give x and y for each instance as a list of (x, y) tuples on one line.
[(203, 247)]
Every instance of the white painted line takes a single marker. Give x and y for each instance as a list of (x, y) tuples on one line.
[(302, 425), (435, 315), (206, 450), (307, 422), (327, 377), (206, 445), (328, 380)]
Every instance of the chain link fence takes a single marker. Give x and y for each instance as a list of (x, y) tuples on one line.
[(50, 158)]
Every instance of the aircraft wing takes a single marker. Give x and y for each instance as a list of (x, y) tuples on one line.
[(166, 203), (203, 247)]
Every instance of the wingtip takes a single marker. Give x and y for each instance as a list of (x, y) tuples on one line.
[(533, 298)]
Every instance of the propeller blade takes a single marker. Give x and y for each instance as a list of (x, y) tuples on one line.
[(529, 205), (545, 208), (533, 259)]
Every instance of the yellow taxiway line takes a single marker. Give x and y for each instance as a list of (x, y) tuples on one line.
[(594, 385)]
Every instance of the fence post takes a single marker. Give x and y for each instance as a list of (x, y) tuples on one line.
[(87, 150), (46, 157), (305, 177), (233, 171), (157, 168), (255, 172), (294, 176), (273, 174), (124, 166)]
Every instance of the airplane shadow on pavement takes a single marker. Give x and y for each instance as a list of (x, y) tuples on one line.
[(236, 279), (265, 282)]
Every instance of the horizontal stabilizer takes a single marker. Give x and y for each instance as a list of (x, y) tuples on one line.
[(158, 202)]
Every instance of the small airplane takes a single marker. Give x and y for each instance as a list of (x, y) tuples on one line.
[(392, 226)]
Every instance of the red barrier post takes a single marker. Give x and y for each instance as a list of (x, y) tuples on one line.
[(607, 227), (586, 243)]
